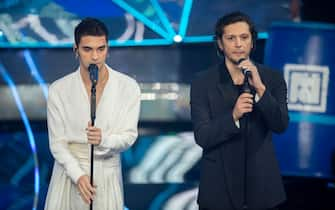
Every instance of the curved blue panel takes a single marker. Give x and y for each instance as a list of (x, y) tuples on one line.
[(29, 131)]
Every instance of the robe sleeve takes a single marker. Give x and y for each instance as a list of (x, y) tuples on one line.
[(57, 140), (116, 142)]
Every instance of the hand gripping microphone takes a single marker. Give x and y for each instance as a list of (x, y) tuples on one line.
[(246, 72)]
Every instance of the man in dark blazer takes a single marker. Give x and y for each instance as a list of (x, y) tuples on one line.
[(239, 169)]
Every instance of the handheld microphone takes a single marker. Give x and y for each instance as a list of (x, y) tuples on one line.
[(247, 74), (94, 72)]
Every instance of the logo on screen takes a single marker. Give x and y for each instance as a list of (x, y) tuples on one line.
[(307, 87)]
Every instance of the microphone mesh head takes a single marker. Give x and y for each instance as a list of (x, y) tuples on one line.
[(93, 70), (246, 72)]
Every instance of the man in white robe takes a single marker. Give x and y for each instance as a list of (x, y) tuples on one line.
[(71, 133)]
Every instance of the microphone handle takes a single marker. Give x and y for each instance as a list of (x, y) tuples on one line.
[(246, 86), (93, 111)]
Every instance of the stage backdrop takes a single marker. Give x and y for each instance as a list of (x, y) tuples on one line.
[(305, 55)]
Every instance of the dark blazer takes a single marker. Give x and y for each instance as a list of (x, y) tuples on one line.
[(223, 184)]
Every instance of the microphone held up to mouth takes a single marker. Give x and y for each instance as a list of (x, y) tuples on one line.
[(94, 72), (246, 72)]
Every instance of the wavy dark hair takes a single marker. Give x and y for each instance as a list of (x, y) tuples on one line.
[(90, 27)]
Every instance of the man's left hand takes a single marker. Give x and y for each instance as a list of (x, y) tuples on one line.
[(255, 79)]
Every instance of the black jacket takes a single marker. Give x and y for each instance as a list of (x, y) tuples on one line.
[(222, 185)]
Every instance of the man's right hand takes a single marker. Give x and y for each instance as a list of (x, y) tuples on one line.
[(243, 105), (86, 190)]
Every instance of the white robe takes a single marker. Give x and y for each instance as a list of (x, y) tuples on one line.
[(68, 114)]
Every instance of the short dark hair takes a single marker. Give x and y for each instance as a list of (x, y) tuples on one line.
[(90, 27), (231, 18)]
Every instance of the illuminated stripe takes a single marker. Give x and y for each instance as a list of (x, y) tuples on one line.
[(35, 73), (157, 203), (162, 16), (139, 33), (36, 45), (29, 131), (195, 39), (192, 154), (156, 153), (263, 35), (153, 26), (130, 29), (305, 25), (168, 160), (312, 118), (145, 42), (113, 43), (185, 17), (209, 38), (183, 200)]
